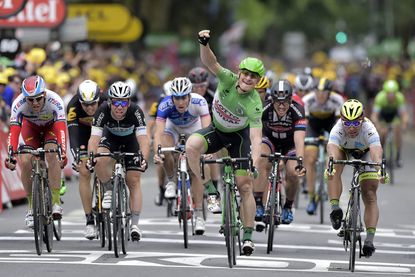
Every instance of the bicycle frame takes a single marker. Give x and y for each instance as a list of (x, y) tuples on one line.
[(352, 224), (230, 209), (184, 205)]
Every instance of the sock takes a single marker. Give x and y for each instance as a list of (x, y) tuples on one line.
[(56, 196), (30, 201), (311, 196), (89, 219), (370, 233), (288, 204), (247, 233), (135, 217), (199, 213), (211, 188), (334, 203)]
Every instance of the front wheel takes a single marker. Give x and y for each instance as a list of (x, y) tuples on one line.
[(38, 211), (184, 208), (353, 231), (48, 221), (229, 237)]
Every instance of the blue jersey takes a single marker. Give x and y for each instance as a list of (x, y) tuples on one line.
[(197, 108)]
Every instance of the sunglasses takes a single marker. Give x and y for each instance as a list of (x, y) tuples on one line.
[(200, 85), (282, 102), (122, 103), (250, 74), (177, 98), (88, 104), (38, 99), (355, 123)]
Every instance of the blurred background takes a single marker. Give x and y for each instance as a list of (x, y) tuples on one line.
[(356, 43)]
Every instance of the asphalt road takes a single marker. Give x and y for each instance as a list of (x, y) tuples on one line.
[(304, 248)]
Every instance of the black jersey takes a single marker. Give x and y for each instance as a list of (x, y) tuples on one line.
[(281, 129), (132, 123)]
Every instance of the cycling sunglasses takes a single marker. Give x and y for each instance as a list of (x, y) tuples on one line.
[(38, 99), (87, 104), (354, 123), (177, 98), (117, 103)]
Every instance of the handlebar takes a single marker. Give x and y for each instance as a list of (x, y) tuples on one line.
[(225, 160), (356, 163), (116, 155), (177, 149), (319, 140), (39, 152)]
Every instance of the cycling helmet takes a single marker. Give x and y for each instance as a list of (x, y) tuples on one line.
[(33, 86), (254, 65), (304, 82), (88, 92), (198, 75), (352, 109), (282, 90), (263, 83), (325, 84), (181, 86), (120, 90), (391, 86), (166, 88)]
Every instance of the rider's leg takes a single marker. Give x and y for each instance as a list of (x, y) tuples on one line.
[(245, 188), (85, 190), (25, 162), (54, 173), (310, 158), (260, 183), (335, 188), (371, 215), (195, 146), (133, 179)]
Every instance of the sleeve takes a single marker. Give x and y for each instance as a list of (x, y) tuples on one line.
[(73, 126), (99, 121), (164, 108), (226, 78), (401, 102), (372, 134), (140, 127), (300, 123), (377, 104), (59, 128), (15, 123), (13, 139), (255, 118), (335, 135)]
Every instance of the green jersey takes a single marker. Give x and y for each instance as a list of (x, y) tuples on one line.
[(233, 111), (383, 104)]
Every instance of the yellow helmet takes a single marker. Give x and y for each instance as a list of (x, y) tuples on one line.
[(352, 109), (263, 83)]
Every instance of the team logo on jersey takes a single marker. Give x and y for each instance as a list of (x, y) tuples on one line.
[(45, 117), (224, 114)]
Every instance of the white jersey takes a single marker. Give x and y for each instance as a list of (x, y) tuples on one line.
[(322, 111), (53, 110), (367, 137)]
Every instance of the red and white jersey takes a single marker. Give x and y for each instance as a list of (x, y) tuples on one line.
[(53, 110)]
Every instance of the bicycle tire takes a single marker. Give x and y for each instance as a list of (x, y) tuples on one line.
[(235, 226), (57, 229), (353, 230), (48, 221), (123, 200), (229, 238), (116, 216), (108, 228), (183, 208), (271, 221), (390, 159), (321, 194), (37, 207), (99, 214)]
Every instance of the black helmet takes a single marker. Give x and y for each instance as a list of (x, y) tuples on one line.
[(198, 75), (282, 90)]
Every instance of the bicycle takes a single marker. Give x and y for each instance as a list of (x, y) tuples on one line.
[(231, 221), (119, 214), (184, 207), (274, 205), (101, 221), (41, 196), (352, 223), (321, 186)]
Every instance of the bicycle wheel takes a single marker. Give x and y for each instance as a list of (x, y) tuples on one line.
[(229, 238), (57, 229), (271, 221), (125, 221), (38, 211), (183, 207), (47, 217), (99, 214), (390, 158), (108, 227), (353, 230), (321, 193), (116, 216)]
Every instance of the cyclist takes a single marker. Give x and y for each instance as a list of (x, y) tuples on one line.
[(38, 115), (389, 108), (303, 85), (80, 111), (181, 113), (151, 123), (120, 125), (322, 110), (284, 132), (354, 136), (237, 110), (263, 85)]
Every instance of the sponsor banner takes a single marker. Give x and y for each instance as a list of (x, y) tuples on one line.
[(37, 13), (11, 7)]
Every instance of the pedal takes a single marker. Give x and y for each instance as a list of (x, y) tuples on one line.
[(259, 226)]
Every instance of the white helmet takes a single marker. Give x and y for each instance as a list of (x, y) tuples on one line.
[(181, 86), (304, 82), (166, 88), (88, 92), (119, 90)]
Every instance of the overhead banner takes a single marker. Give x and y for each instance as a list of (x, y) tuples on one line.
[(37, 13), (11, 7), (108, 22)]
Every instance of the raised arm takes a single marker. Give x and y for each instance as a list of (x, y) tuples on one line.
[(206, 54)]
